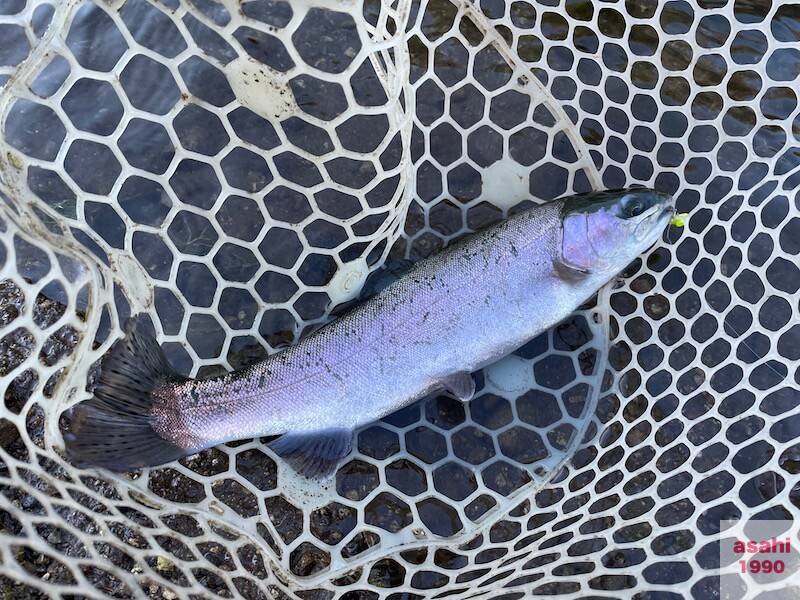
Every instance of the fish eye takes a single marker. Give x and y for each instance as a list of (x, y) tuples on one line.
[(634, 208)]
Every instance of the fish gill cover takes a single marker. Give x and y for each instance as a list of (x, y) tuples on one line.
[(236, 170)]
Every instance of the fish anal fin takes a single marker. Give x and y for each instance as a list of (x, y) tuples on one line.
[(461, 384), (316, 454)]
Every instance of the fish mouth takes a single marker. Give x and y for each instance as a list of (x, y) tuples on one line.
[(664, 204), (666, 214), (651, 228)]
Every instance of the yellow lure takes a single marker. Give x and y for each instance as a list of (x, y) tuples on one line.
[(679, 220)]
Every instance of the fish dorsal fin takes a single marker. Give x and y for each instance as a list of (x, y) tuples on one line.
[(392, 270), (316, 454), (377, 281), (461, 384)]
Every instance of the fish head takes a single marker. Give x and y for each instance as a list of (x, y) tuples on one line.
[(602, 232)]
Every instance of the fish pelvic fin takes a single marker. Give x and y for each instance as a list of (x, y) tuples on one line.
[(461, 385), (316, 454), (113, 430)]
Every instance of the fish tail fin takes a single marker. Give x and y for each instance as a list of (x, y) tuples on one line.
[(114, 429)]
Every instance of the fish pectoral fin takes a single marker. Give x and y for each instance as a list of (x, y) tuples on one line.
[(315, 454), (461, 384)]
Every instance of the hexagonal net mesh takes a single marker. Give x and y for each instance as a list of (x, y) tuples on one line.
[(234, 171)]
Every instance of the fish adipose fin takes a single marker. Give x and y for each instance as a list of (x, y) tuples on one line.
[(112, 430), (315, 455), (461, 384)]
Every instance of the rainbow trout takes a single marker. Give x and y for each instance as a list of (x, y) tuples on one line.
[(453, 313)]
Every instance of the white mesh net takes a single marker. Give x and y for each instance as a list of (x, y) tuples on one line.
[(235, 171)]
